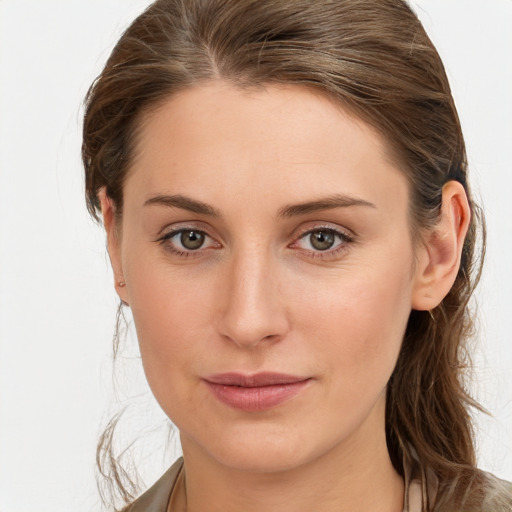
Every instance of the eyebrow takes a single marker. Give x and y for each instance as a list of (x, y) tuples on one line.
[(183, 202), (327, 203), (192, 205)]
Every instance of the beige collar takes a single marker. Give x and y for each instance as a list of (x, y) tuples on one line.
[(414, 494)]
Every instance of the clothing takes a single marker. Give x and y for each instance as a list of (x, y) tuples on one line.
[(497, 497), (158, 497)]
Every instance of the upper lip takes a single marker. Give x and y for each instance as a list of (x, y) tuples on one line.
[(254, 380)]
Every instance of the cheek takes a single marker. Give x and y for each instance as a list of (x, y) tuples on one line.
[(170, 315), (359, 320)]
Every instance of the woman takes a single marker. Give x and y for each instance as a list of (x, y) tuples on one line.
[(283, 186)]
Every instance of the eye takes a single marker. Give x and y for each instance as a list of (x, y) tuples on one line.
[(187, 240), (192, 240), (323, 240)]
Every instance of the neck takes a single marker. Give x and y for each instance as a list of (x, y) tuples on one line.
[(355, 476)]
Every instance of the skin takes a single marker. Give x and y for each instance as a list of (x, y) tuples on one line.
[(258, 296)]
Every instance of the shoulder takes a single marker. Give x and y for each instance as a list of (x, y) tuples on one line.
[(156, 498), (497, 494), (475, 491)]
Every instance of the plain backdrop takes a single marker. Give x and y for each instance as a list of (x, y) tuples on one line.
[(57, 303)]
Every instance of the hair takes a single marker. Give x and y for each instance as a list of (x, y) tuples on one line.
[(374, 59)]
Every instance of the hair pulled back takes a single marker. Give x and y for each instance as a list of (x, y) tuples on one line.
[(374, 58)]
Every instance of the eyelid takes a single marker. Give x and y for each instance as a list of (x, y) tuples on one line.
[(183, 226), (338, 230)]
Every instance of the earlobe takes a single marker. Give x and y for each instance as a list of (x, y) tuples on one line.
[(113, 242), (440, 254)]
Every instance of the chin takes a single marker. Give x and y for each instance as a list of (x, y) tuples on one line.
[(262, 459), (260, 449)]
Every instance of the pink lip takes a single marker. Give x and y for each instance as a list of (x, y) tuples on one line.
[(257, 392)]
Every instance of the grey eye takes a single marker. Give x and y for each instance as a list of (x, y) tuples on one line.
[(322, 240), (192, 240)]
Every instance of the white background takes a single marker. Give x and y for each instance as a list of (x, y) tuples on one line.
[(57, 304)]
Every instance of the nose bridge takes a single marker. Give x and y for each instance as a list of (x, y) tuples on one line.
[(253, 310)]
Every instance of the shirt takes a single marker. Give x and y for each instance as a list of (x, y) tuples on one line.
[(160, 497)]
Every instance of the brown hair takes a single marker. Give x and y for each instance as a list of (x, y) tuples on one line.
[(375, 59)]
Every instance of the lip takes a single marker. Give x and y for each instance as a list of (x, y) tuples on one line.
[(257, 392)]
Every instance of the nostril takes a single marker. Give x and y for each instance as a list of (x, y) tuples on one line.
[(248, 341)]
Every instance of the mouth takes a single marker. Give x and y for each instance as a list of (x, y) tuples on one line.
[(258, 392)]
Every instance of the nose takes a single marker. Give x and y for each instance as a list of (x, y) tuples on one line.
[(253, 308)]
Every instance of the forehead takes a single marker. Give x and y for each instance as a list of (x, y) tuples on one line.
[(218, 138)]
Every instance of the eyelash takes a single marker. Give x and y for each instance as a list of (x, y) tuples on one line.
[(345, 241)]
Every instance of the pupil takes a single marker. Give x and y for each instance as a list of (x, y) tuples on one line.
[(322, 240), (192, 239)]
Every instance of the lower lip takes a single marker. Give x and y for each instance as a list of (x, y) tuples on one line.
[(254, 399)]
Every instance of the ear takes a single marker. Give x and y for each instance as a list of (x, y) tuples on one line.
[(110, 222), (440, 253)]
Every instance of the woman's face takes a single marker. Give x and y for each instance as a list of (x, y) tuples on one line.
[(269, 266)]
